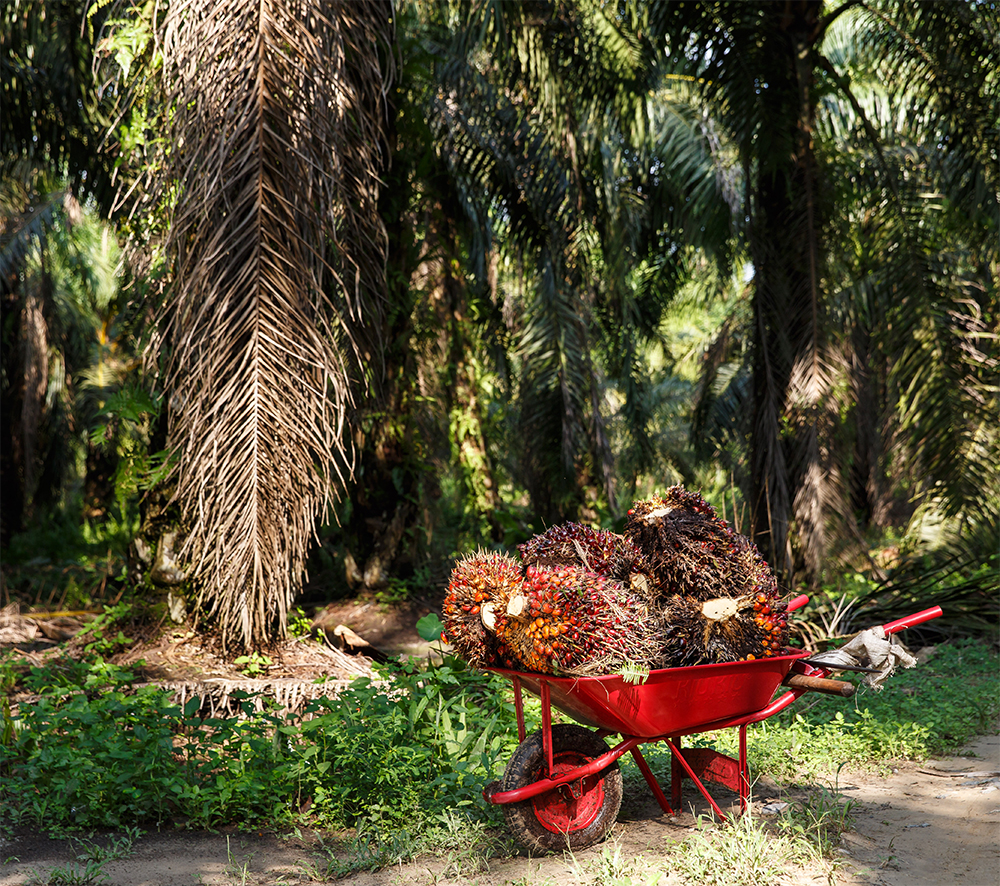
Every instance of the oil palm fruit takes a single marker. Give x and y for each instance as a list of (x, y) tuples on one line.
[(480, 586), (718, 599), (566, 620)]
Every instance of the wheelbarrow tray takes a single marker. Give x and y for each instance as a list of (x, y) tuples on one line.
[(670, 701)]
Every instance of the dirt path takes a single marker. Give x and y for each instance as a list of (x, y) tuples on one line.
[(928, 826), (924, 825)]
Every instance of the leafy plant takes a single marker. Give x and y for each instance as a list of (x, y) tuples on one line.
[(385, 755), (88, 869), (98, 629), (118, 846), (253, 664), (299, 624), (74, 874)]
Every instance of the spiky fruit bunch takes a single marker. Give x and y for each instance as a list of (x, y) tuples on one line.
[(720, 601), (722, 629), (479, 589), (569, 621), (599, 551), (690, 550)]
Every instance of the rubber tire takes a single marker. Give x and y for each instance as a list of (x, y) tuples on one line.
[(526, 767)]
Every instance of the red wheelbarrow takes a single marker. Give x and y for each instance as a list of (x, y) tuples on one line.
[(562, 787)]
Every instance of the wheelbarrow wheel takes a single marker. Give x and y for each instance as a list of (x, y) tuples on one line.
[(575, 815)]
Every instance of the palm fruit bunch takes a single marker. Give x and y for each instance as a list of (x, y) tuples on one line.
[(566, 620), (599, 551), (719, 601), (559, 620), (688, 547), (722, 629), (479, 590)]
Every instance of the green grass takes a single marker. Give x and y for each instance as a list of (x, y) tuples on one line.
[(744, 852), (934, 708)]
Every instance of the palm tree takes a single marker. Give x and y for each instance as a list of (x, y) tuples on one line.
[(529, 196), (919, 317), (57, 294), (825, 161), (577, 181)]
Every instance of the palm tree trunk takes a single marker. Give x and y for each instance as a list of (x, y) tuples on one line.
[(787, 471)]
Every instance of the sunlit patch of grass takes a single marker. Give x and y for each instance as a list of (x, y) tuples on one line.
[(740, 852)]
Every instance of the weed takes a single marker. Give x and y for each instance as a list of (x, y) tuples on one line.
[(254, 664), (466, 844), (370, 850), (820, 820), (93, 751), (310, 870), (610, 868), (118, 847), (89, 874), (237, 872), (529, 881), (88, 869), (299, 624), (99, 628)]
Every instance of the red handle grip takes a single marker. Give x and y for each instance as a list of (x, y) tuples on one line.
[(901, 624), (797, 602)]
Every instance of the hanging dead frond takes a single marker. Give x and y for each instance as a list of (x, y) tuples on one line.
[(276, 141)]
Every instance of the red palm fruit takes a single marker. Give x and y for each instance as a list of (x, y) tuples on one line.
[(601, 625), (598, 551), (493, 578)]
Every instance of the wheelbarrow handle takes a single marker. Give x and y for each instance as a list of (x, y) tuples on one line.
[(901, 624), (798, 602), (820, 684)]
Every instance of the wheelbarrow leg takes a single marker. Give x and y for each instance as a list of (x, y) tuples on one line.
[(680, 758), (518, 709), (654, 785), (676, 774), (545, 696), (744, 771)]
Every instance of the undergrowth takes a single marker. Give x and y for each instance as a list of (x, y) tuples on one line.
[(935, 708), (93, 751), (403, 759)]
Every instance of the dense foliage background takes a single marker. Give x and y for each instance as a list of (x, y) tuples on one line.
[(354, 296)]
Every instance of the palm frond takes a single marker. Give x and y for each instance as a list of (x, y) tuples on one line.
[(22, 226), (966, 588), (276, 137)]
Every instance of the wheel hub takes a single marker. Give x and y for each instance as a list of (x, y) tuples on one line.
[(573, 806)]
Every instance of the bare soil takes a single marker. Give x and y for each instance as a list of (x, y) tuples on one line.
[(926, 824)]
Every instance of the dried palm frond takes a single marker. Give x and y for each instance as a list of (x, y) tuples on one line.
[(276, 141)]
